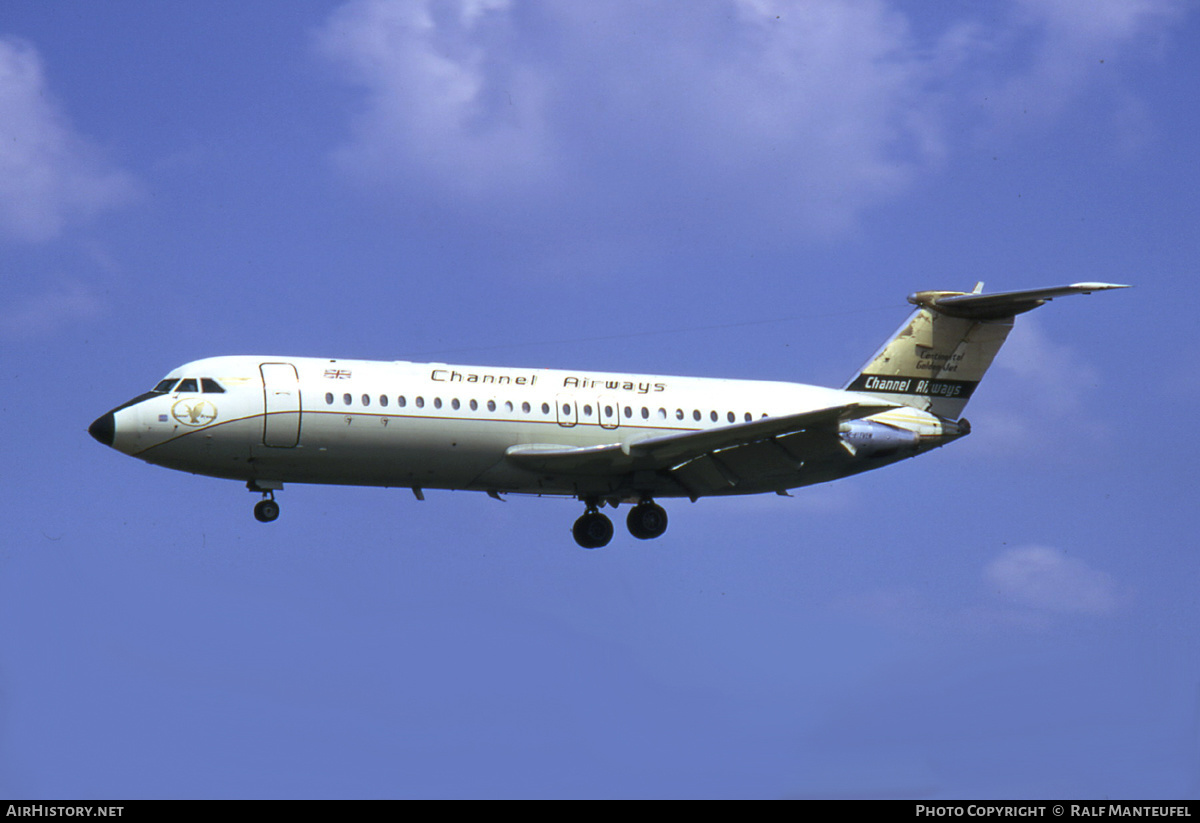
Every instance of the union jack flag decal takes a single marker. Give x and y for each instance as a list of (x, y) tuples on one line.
[(337, 374)]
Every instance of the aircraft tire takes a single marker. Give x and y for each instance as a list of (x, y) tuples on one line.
[(646, 521), (266, 510), (592, 531)]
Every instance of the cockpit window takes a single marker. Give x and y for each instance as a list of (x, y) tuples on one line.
[(207, 384), (187, 385), (164, 386)]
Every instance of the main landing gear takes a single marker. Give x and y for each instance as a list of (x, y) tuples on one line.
[(593, 530), (646, 520)]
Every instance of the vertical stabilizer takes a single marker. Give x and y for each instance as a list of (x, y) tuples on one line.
[(937, 358), (933, 362)]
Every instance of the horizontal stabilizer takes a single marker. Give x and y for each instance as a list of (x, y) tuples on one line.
[(666, 451), (1001, 304)]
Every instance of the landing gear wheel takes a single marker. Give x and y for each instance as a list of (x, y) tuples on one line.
[(646, 520), (593, 530), (266, 510)]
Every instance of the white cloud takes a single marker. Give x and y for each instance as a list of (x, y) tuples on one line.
[(1036, 586), (1043, 578), (808, 111), (1056, 378), (1074, 43), (49, 175), (778, 115), (1037, 389), (1103, 22), (447, 100)]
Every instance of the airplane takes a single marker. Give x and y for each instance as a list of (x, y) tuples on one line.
[(603, 438)]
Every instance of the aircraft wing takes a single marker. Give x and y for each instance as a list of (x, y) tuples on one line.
[(664, 452)]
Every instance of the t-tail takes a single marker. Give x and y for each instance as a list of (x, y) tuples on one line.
[(937, 358)]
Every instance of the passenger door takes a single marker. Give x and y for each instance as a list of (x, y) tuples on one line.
[(281, 405)]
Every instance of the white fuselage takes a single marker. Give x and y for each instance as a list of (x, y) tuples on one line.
[(270, 420)]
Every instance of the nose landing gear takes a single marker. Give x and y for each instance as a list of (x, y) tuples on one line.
[(266, 509)]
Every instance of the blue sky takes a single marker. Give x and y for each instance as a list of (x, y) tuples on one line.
[(734, 189)]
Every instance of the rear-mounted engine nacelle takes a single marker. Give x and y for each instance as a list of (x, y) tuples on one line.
[(866, 438)]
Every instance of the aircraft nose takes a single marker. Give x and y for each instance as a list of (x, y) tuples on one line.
[(104, 429)]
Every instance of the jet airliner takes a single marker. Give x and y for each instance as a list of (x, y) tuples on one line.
[(604, 438)]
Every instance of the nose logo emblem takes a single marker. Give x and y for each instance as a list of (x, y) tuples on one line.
[(194, 412)]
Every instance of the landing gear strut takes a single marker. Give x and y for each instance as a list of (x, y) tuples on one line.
[(593, 530), (647, 520)]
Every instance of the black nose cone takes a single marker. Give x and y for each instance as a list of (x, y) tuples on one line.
[(103, 429)]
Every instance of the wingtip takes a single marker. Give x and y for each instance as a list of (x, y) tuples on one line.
[(1090, 287)]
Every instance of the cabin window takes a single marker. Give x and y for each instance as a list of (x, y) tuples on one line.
[(187, 385), (679, 414), (608, 411), (328, 398), (587, 410), (491, 405), (662, 414), (437, 402), (347, 399), (545, 408), (474, 405), (749, 417), (210, 386), (164, 386), (695, 414), (731, 417), (454, 404), (628, 413), (366, 398), (566, 409), (645, 413), (420, 402), (401, 402), (383, 400), (508, 406)]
